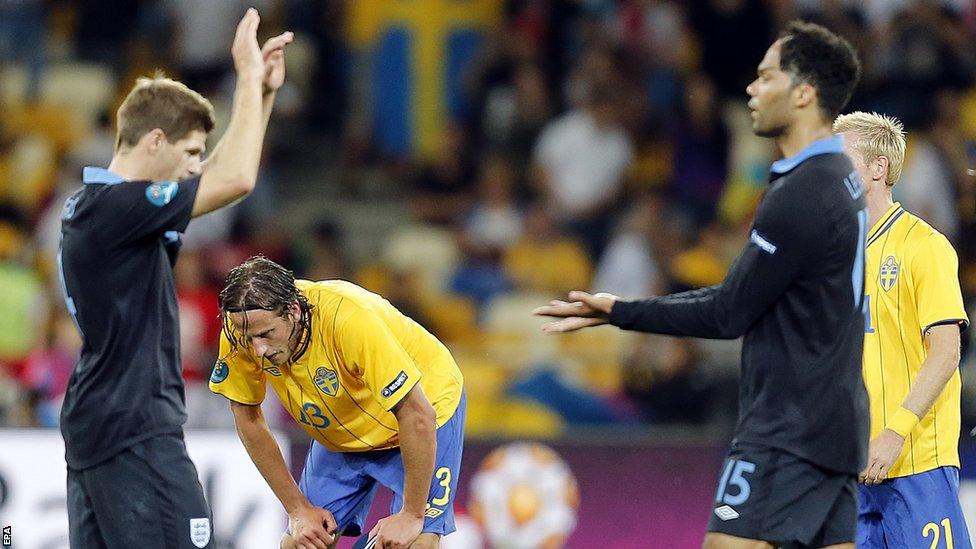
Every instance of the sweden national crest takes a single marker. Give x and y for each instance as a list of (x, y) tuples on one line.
[(889, 273), (327, 381)]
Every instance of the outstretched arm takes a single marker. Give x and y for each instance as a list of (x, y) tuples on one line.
[(786, 234)]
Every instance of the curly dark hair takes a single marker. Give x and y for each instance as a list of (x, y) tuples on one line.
[(260, 283), (813, 55)]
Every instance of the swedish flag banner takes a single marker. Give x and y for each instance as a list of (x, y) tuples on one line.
[(417, 51)]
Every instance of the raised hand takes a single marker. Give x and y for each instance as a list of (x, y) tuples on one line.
[(583, 311), (248, 60), (273, 54)]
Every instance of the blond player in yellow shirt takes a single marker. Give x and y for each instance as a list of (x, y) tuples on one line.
[(909, 496), (380, 396)]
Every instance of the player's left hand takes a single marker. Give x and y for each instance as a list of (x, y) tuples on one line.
[(883, 451), (584, 311), (273, 53), (397, 531)]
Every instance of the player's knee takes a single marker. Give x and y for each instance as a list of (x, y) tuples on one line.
[(287, 542), (716, 540), (426, 541), (712, 541)]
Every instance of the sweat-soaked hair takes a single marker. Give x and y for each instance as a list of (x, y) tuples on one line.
[(260, 283), (813, 55)]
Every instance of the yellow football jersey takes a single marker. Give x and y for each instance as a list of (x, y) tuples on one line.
[(911, 284), (363, 357)]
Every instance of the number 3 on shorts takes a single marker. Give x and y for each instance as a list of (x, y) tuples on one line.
[(444, 476), (733, 476)]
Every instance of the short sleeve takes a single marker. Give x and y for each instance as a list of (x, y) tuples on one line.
[(935, 274), (134, 210), (236, 376), (370, 350)]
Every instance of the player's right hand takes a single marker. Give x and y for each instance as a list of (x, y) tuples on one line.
[(311, 527), (248, 60), (883, 452), (584, 311)]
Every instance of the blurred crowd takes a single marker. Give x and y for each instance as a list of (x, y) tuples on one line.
[(601, 145)]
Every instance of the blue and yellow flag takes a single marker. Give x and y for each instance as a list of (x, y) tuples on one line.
[(418, 51)]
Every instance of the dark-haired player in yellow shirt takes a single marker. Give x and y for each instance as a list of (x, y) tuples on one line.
[(910, 491), (380, 396)]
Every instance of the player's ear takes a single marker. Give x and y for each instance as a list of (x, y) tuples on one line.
[(879, 168), (154, 140), (804, 94)]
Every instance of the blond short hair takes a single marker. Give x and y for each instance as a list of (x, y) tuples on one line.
[(876, 135), (160, 102)]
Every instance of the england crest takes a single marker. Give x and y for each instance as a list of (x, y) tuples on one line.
[(200, 532), (889, 273), (327, 381)]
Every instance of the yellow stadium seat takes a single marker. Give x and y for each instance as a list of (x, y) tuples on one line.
[(511, 418), (483, 377), (57, 124), (430, 252), (85, 88), (452, 317), (32, 169)]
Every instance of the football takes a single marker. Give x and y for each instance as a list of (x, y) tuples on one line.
[(525, 497)]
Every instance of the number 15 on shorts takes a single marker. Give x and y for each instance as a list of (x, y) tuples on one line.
[(734, 487)]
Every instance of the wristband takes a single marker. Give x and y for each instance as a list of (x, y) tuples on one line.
[(903, 422)]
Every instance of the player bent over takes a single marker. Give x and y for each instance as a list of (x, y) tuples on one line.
[(380, 396)]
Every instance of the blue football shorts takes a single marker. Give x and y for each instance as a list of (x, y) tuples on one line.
[(345, 482), (919, 510)]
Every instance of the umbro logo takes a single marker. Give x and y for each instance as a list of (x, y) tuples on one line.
[(726, 513)]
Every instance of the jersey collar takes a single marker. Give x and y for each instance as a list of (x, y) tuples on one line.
[(827, 145), (93, 175), (885, 223)]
